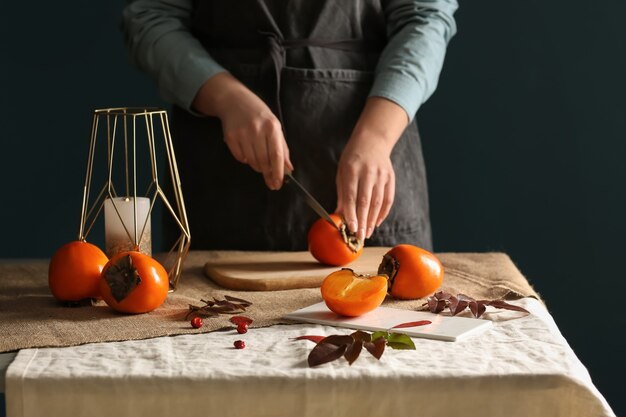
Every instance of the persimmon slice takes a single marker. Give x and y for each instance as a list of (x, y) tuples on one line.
[(350, 294)]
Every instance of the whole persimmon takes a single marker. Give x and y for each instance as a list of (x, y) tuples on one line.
[(74, 271), (334, 246), (350, 294), (413, 272), (132, 282)]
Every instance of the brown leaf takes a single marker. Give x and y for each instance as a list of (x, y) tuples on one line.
[(325, 352), (442, 295), (209, 303), (504, 305), (353, 351), (465, 297), (361, 335), (457, 305), (228, 304), (338, 339), (435, 305), (377, 347), (238, 300), (477, 308), (226, 309)]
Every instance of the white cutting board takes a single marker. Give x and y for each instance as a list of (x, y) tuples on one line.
[(443, 327)]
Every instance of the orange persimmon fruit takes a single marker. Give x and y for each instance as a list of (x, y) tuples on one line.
[(133, 282), (334, 246), (413, 272), (74, 271), (350, 294)]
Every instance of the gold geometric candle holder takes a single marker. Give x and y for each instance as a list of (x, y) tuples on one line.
[(131, 184)]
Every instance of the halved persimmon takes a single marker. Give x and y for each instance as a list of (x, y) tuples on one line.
[(350, 294)]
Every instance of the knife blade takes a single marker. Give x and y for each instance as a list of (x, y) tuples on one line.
[(309, 199)]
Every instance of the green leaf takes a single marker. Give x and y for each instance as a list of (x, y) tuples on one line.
[(379, 334), (400, 341)]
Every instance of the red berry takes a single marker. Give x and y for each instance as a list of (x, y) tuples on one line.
[(239, 344), (196, 322), (242, 328)]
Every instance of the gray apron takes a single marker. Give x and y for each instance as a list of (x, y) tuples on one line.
[(313, 63)]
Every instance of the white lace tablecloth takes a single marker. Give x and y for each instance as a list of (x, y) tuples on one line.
[(520, 367)]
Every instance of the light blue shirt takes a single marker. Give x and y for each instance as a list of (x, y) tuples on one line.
[(160, 42)]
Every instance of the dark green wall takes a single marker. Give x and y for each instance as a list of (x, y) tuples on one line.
[(524, 141)]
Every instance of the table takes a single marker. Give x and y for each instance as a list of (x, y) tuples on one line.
[(522, 366)]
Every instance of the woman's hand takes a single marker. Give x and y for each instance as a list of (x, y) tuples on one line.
[(365, 176), (252, 132)]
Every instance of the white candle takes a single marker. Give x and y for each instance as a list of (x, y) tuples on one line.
[(119, 225)]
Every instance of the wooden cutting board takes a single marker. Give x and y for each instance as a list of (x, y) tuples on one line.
[(271, 271)]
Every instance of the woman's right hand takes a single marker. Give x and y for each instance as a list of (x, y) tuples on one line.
[(252, 132)]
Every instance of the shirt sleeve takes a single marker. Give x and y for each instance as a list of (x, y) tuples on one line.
[(408, 69), (157, 35)]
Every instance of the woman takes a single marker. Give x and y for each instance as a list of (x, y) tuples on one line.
[(327, 88)]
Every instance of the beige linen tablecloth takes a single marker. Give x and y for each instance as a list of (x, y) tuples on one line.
[(522, 366)]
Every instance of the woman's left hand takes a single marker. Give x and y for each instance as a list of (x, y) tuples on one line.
[(365, 184), (365, 176)]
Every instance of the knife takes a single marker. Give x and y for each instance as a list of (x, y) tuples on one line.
[(309, 199)]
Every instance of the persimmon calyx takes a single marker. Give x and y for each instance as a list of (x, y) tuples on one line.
[(122, 277), (351, 240), (357, 275), (389, 267)]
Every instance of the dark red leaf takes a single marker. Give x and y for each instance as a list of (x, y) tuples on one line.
[(361, 335), (435, 305), (465, 297), (477, 308), (225, 309), (326, 352), (338, 339), (440, 300), (353, 351), (312, 338), (504, 305), (377, 347), (237, 320), (207, 313), (442, 295), (412, 324), (457, 305)]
